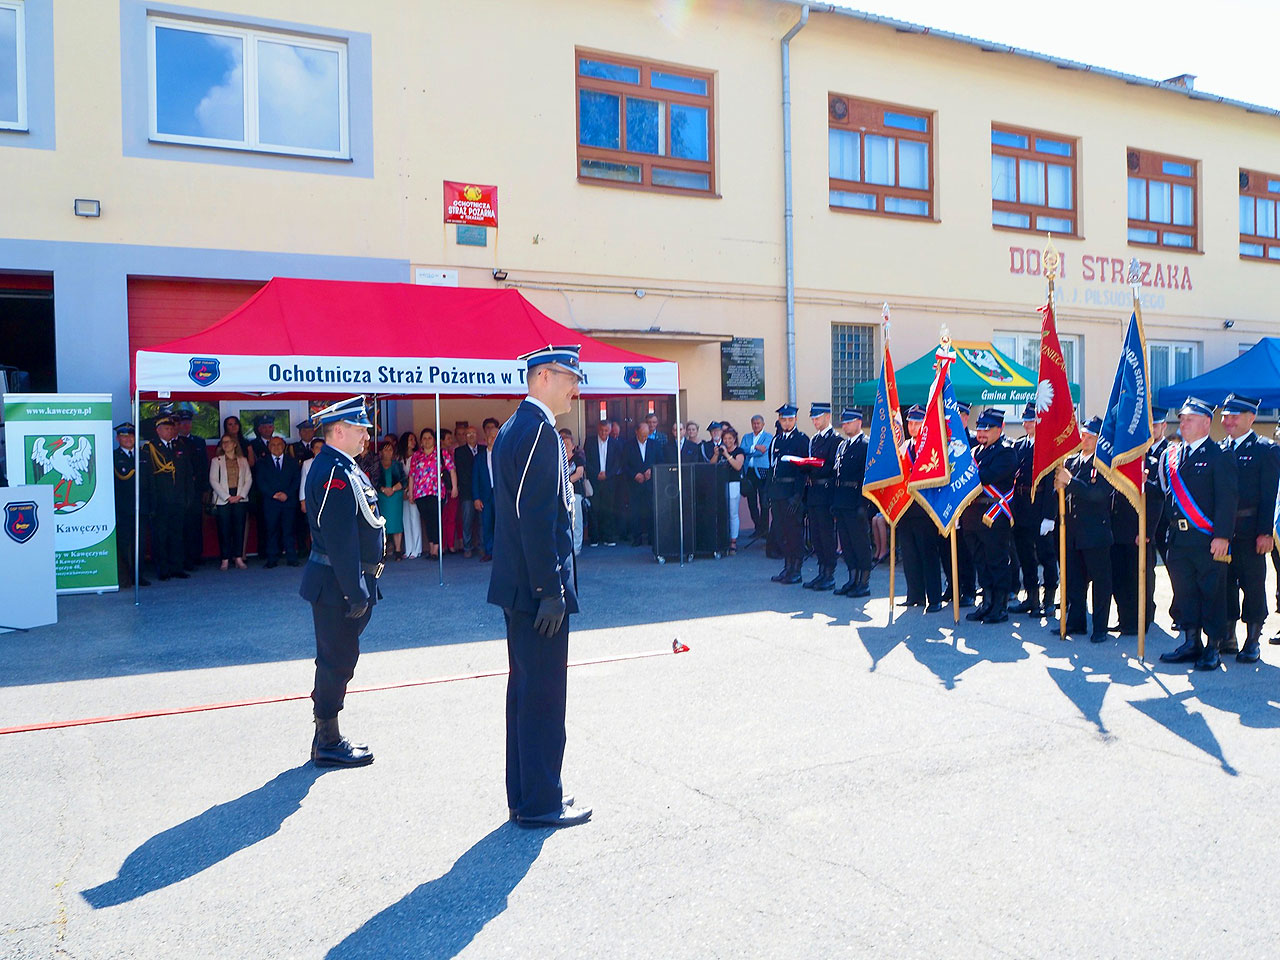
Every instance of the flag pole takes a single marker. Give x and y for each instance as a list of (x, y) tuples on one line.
[(955, 580), (893, 546), (1134, 279), (1050, 261)]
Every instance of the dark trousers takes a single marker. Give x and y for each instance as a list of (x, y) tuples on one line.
[(854, 530), (166, 539), (964, 562), (641, 511), (1197, 589), (124, 549), (1124, 583), (467, 518), (536, 690), (231, 521), (486, 525), (1036, 551), (754, 492), (193, 532), (1247, 573), (604, 511), (427, 513), (788, 525), (1090, 565), (301, 531), (337, 650), (918, 538), (277, 518), (822, 534)]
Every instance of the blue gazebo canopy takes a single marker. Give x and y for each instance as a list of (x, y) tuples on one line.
[(1255, 373)]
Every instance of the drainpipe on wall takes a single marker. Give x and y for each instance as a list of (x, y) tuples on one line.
[(788, 215)]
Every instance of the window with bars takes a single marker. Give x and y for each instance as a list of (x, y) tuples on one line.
[(1162, 200), (1171, 361), (1259, 196), (1033, 181), (853, 360), (879, 158), (645, 125)]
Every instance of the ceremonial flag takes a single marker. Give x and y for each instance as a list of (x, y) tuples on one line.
[(944, 488), (885, 479), (1127, 430), (1057, 431)]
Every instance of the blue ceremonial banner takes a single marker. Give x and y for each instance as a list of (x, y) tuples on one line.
[(885, 477), (945, 503), (1127, 430)]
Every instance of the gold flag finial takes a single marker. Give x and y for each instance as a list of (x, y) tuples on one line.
[(884, 320), (1050, 260)]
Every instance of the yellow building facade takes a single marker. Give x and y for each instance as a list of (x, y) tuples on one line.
[(125, 103)]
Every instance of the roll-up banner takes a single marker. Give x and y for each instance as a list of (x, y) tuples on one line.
[(64, 441)]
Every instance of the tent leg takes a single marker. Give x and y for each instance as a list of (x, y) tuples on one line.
[(137, 502), (439, 494), (679, 476)]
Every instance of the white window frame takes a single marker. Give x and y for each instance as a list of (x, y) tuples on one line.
[(1021, 338), (1197, 357), (18, 6), (250, 38)]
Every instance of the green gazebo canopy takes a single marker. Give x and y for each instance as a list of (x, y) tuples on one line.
[(981, 375)]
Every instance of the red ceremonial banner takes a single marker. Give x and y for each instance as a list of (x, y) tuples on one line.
[(470, 203), (1057, 431), (932, 468)]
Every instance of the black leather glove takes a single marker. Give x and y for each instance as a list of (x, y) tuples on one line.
[(550, 615), (358, 610)]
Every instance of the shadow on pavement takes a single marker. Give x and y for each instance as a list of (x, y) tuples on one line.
[(439, 918), (207, 839)]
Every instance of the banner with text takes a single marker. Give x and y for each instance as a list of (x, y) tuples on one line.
[(470, 203), (64, 441)]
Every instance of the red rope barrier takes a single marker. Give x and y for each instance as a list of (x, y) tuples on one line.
[(676, 647)]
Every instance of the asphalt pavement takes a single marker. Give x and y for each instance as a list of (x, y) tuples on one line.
[(806, 781)]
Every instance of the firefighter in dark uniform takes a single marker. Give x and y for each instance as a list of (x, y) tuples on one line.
[(850, 507), (786, 494), (819, 493), (1089, 538), (1159, 444), (1033, 523), (193, 513), (533, 582), (1200, 481), (300, 450), (919, 535), (964, 552), (340, 579), (1124, 551), (988, 520), (264, 428), (1258, 470), (124, 466), (167, 488)]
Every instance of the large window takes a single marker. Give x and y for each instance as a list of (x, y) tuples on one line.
[(1172, 361), (1024, 348), (1259, 195), (853, 359), (1162, 200), (1033, 181), (13, 66), (223, 86), (879, 158), (644, 124)]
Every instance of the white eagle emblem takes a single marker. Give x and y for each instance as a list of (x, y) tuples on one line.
[(1044, 396)]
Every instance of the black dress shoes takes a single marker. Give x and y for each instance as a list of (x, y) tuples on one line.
[(1098, 637), (935, 608), (566, 816), (329, 748), (910, 603), (1188, 651), (567, 800), (1209, 657)]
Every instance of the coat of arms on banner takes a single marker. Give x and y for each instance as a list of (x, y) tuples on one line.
[(67, 464), (20, 521), (204, 370), (634, 377)]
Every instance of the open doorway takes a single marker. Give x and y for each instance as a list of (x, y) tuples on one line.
[(28, 343)]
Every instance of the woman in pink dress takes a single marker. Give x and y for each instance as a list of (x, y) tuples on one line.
[(449, 509), (424, 472)]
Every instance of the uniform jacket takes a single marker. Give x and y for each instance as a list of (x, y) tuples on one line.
[(1124, 519), (342, 512), (532, 540), (1088, 505), (124, 465), (259, 447), (1045, 507), (822, 480), (1258, 468), (271, 479), (166, 475), (786, 480), (1212, 478), (299, 450), (613, 466), (914, 513), (997, 466), (199, 451), (850, 465)]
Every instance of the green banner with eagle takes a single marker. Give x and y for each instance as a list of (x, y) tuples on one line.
[(64, 441)]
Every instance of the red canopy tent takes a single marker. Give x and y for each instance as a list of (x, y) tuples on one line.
[(300, 339)]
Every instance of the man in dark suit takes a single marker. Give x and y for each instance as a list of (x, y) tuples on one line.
[(482, 486), (166, 489), (1033, 523), (464, 460), (1258, 467), (277, 477), (819, 492), (849, 506), (988, 521), (1089, 537), (340, 580), (300, 450), (532, 581), (786, 494), (1200, 480), (605, 471), (125, 464), (193, 512), (639, 457)]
